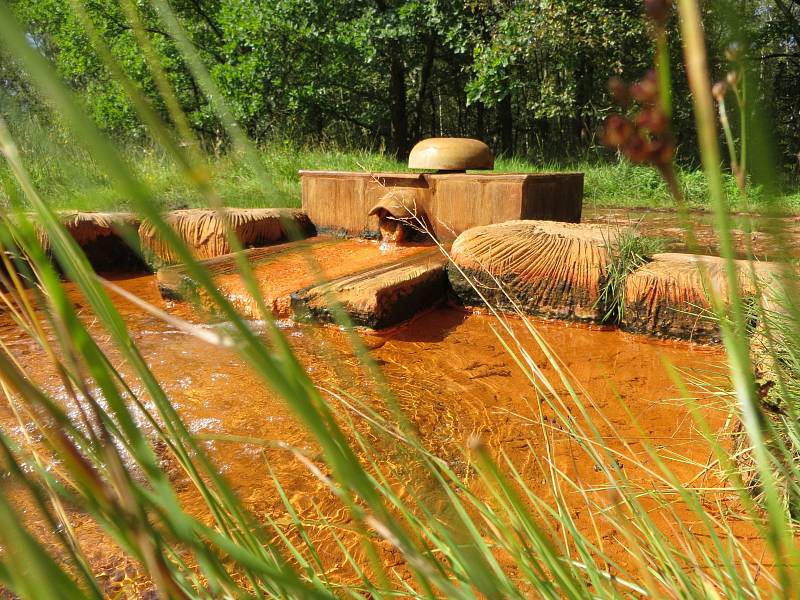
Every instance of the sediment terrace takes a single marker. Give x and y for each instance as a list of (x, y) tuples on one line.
[(541, 268), (377, 287)]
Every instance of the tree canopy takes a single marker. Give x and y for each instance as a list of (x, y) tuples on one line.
[(528, 76)]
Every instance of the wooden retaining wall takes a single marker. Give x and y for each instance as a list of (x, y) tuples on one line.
[(453, 202)]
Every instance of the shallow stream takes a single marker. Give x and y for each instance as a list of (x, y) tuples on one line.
[(450, 374)]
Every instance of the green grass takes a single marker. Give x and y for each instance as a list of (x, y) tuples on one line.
[(626, 252), (625, 185), (487, 536), (69, 179)]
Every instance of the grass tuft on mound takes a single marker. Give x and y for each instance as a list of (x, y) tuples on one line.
[(628, 252)]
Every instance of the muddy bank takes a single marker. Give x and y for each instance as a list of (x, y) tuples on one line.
[(454, 380), (752, 232)]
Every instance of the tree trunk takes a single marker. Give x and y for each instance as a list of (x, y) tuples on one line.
[(480, 121), (398, 109), (506, 121), (424, 79)]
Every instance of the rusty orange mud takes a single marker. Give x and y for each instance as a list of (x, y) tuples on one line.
[(454, 380)]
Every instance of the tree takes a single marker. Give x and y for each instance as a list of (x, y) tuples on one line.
[(528, 76)]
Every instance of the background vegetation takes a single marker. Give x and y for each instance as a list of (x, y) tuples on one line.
[(71, 179), (493, 539), (527, 76)]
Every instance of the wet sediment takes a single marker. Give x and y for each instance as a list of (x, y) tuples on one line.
[(378, 297), (448, 370), (286, 276), (454, 380)]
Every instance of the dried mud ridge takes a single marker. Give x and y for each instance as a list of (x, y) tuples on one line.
[(557, 270), (543, 268), (121, 242), (109, 240), (548, 269), (206, 232)]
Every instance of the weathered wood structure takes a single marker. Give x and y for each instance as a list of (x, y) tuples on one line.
[(339, 202)]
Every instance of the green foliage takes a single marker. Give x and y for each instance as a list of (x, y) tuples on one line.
[(557, 55), (527, 76), (626, 252), (773, 335), (624, 184), (70, 179)]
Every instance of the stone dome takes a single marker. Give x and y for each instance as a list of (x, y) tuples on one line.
[(451, 154)]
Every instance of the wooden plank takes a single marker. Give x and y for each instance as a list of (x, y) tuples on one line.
[(381, 296)]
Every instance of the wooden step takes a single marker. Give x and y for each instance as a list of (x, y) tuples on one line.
[(283, 271), (378, 297)]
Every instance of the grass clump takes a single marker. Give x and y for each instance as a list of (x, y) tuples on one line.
[(626, 252), (773, 333)]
